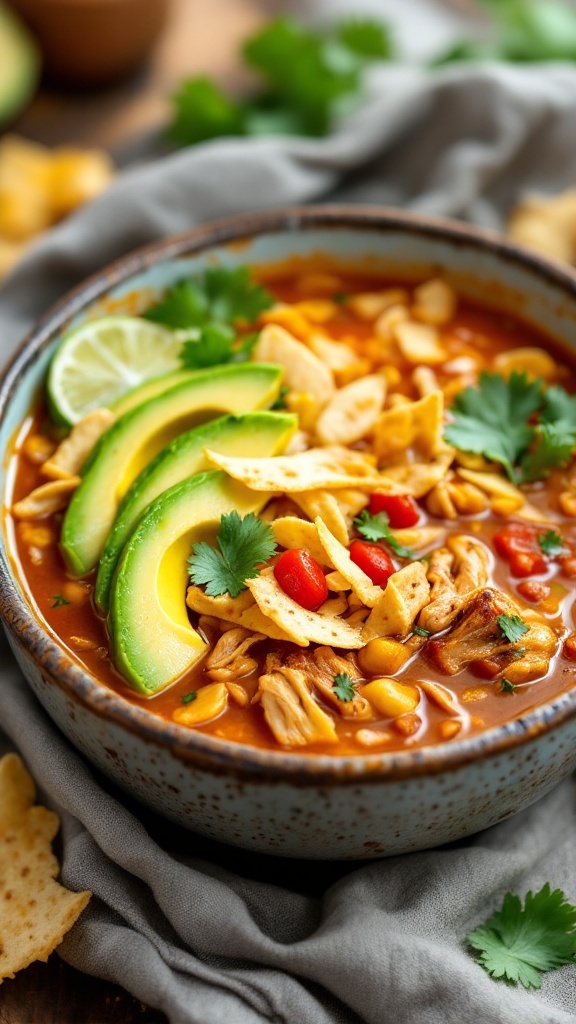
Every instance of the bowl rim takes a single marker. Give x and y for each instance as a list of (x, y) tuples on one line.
[(188, 745)]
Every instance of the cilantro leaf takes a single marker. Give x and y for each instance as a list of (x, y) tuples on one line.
[(551, 543), (343, 687), (523, 30), (212, 347), (492, 419), (518, 943), (554, 447), (220, 294), (280, 402), (187, 698), (376, 528), (244, 544), (506, 686), (59, 601), (202, 111), (420, 631), (512, 626), (366, 37)]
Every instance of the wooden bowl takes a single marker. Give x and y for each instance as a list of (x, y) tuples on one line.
[(90, 43)]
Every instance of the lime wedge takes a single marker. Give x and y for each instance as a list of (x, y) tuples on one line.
[(103, 359)]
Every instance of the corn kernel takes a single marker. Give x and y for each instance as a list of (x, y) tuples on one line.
[(76, 592), (407, 725), (391, 698), (505, 506), (318, 311), (567, 502), (210, 702), (474, 693), (383, 656), (447, 730)]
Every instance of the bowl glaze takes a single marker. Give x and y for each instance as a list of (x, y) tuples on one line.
[(272, 801)]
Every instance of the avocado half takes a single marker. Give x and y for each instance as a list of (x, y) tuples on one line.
[(134, 439), (153, 642), (19, 65), (259, 433)]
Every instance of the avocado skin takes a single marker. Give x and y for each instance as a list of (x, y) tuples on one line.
[(152, 640), (94, 504), (182, 458)]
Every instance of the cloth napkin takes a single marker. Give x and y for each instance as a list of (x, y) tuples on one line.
[(214, 935)]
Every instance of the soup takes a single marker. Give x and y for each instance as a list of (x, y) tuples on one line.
[(348, 528)]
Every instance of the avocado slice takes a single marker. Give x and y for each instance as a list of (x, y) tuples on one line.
[(153, 642), (150, 389), (259, 433), (19, 65), (134, 439)]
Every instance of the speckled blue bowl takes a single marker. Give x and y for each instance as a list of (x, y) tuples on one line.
[(276, 802)]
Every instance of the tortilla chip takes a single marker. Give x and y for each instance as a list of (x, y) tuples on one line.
[(420, 477), (304, 372), (335, 580), (407, 591), (352, 412), (330, 467), (291, 532), (351, 501), (323, 504), (73, 451), (334, 607), (419, 537), (302, 626), (339, 557), (35, 910), (413, 425), (241, 610), (46, 499)]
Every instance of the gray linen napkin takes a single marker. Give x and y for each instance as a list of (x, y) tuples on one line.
[(209, 934)]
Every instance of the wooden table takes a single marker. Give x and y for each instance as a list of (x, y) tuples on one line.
[(202, 37)]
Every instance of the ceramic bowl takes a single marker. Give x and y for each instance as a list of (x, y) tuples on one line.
[(273, 801)]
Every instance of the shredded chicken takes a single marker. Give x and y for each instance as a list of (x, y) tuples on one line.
[(477, 635), (228, 659), (319, 668), (289, 708), (455, 572)]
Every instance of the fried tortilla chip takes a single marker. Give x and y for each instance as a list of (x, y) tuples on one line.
[(302, 626), (241, 610), (420, 477), (352, 412), (304, 372), (335, 580), (291, 532), (413, 426), (322, 503), (72, 452), (35, 910), (330, 467), (339, 557), (407, 592)]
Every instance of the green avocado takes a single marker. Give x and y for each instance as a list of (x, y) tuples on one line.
[(150, 389), (19, 65), (134, 439), (256, 433), (153, 642)]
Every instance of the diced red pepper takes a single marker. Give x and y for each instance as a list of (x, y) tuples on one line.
[(373, 560), (518, 543), (485, 668), (301, 577), (532, 590), (568, 565), (401, 509)]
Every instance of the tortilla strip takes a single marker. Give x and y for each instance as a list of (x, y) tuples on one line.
[(407, 592), (322, 503), (291, 532), (339, 557), (301, 625), (330, 467), (241, 610)]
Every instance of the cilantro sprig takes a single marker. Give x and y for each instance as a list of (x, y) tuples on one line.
[(551, 543), (376, 528), (244, 544), (308, 75), (343, 687), (519, 942), (517, 422), (59, 601), (207, 307), (512, 627), (522, 30)]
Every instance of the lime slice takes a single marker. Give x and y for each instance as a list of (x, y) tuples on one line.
[(103, 359)]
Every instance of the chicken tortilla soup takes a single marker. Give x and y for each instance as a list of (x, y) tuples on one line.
[(316, 511)]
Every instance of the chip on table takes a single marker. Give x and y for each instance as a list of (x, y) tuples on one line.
[(35, 910)]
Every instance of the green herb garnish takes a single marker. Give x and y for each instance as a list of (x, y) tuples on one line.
[(280, 402), (308, 76), (551, 543), (512, 627), (498, 420), (376, 528), (519, 943), (220, 294), (244, 545), (188, 697), (59, 601), (343, 687), (523, 30), (506, 686), (420, 631)]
